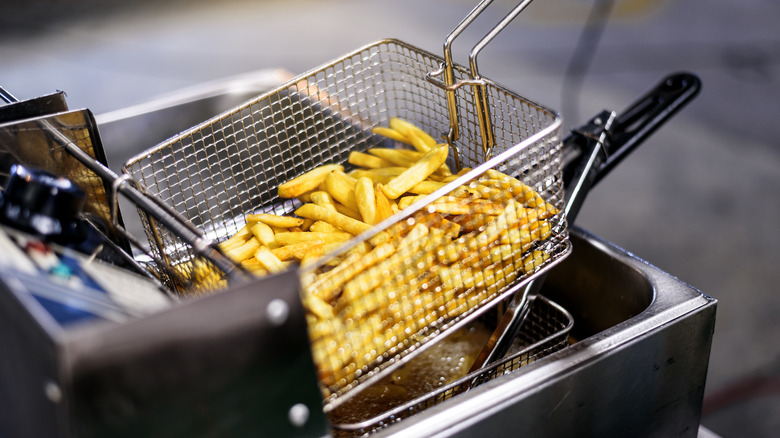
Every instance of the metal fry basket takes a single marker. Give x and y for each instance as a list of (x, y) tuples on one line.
[(216, 173)]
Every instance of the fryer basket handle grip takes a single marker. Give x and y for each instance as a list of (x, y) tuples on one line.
[(632, 126), (642, 118), (447, 69)]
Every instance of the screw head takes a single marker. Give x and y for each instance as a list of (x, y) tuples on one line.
[(52, 391), (298, 414), (277, 312)]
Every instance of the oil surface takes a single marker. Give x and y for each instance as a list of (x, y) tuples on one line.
[(439, 365)]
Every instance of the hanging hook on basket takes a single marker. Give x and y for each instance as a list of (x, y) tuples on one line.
[(481, 101)]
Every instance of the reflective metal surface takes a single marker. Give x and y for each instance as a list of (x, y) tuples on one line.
[(236, 365)]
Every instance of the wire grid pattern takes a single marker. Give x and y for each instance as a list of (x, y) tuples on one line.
[(431, 283), (228, 166), (545, 331)]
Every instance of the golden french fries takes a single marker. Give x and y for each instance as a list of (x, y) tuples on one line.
[(371, 278), (407, 133), (341, 188), (329, 283), (254, 266), (262, 232), (237, 239), (323, 199), (299, 250), (459, 251), (417, 173), (244, 251), (268, 260), (346, 211), (377, 174), (383, 207), (293, 237), (426, 187), (274, 220), (399, 157), (307, 182), (411, 131), (528, 195), (318, 307), (334, 218), (323, 227), (366, 200), (367, 161), (390, 133)]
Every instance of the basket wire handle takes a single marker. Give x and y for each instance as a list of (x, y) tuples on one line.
[(7, 97), (481, 102), (202, 246)]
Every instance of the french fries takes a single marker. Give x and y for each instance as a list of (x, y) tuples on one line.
[(275, 221), (341, 188), (366, 200), (367, 161), (244, 251), (263, 233), (307, 182), (407, 133), (384, 208), (293, 237), (338, 220), (459, 251), (237, 239), (299, 250), (413, 134), (417, 173), (391, 134), (268, 260)]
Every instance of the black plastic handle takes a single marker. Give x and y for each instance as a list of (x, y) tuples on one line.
[(590, 153), (647, 114), (637, 122)]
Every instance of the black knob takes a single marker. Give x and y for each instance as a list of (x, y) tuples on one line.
[(38, 202)]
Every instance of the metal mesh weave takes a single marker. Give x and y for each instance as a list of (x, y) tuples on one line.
[(231, 165)]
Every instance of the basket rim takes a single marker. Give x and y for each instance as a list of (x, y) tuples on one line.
[(306, 74)]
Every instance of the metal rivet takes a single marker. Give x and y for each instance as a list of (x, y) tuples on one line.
[(52, 391), (277, 312), (298, 415)]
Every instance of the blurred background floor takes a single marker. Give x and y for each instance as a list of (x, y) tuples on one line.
[(699, 199)]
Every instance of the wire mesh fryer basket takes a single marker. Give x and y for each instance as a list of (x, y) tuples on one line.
[(219, 171)]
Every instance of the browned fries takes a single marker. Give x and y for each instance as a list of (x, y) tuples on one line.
[(460, 250)]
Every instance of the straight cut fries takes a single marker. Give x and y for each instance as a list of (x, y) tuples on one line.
[(307, 182), (375, 297), (416, 173)]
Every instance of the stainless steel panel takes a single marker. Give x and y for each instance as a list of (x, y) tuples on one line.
[(236, 364)]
